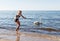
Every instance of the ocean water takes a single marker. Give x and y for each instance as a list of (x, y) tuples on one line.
[(49, 19)]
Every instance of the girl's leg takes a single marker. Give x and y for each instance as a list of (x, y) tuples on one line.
[(18, 25)]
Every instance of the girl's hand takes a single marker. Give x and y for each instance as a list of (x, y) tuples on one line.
[(25, 18)]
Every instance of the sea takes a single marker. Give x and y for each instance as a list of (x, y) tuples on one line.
[(50, 21)]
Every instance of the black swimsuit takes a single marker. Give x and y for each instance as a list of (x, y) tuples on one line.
[(17, 18)]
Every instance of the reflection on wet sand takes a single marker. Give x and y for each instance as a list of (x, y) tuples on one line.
[(17, 35)]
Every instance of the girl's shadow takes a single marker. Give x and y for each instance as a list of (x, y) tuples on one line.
[(17, 35)]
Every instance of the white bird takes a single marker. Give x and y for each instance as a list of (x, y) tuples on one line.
[(37, 23)]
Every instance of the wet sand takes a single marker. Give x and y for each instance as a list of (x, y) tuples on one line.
[(7, 35)]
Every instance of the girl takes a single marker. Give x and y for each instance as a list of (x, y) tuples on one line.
[(19, 14)]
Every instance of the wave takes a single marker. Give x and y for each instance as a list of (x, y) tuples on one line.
[(58, 19), (45, 29), (50, 29)]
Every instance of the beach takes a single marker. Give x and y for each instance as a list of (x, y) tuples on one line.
[(9, 35), (49, 30), (50, 21)]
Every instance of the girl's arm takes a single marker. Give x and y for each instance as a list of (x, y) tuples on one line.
[(23, 17)]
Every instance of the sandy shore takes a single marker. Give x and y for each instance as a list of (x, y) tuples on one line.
[(7, 35)]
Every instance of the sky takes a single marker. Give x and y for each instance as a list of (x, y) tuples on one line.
[(30, 4)]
